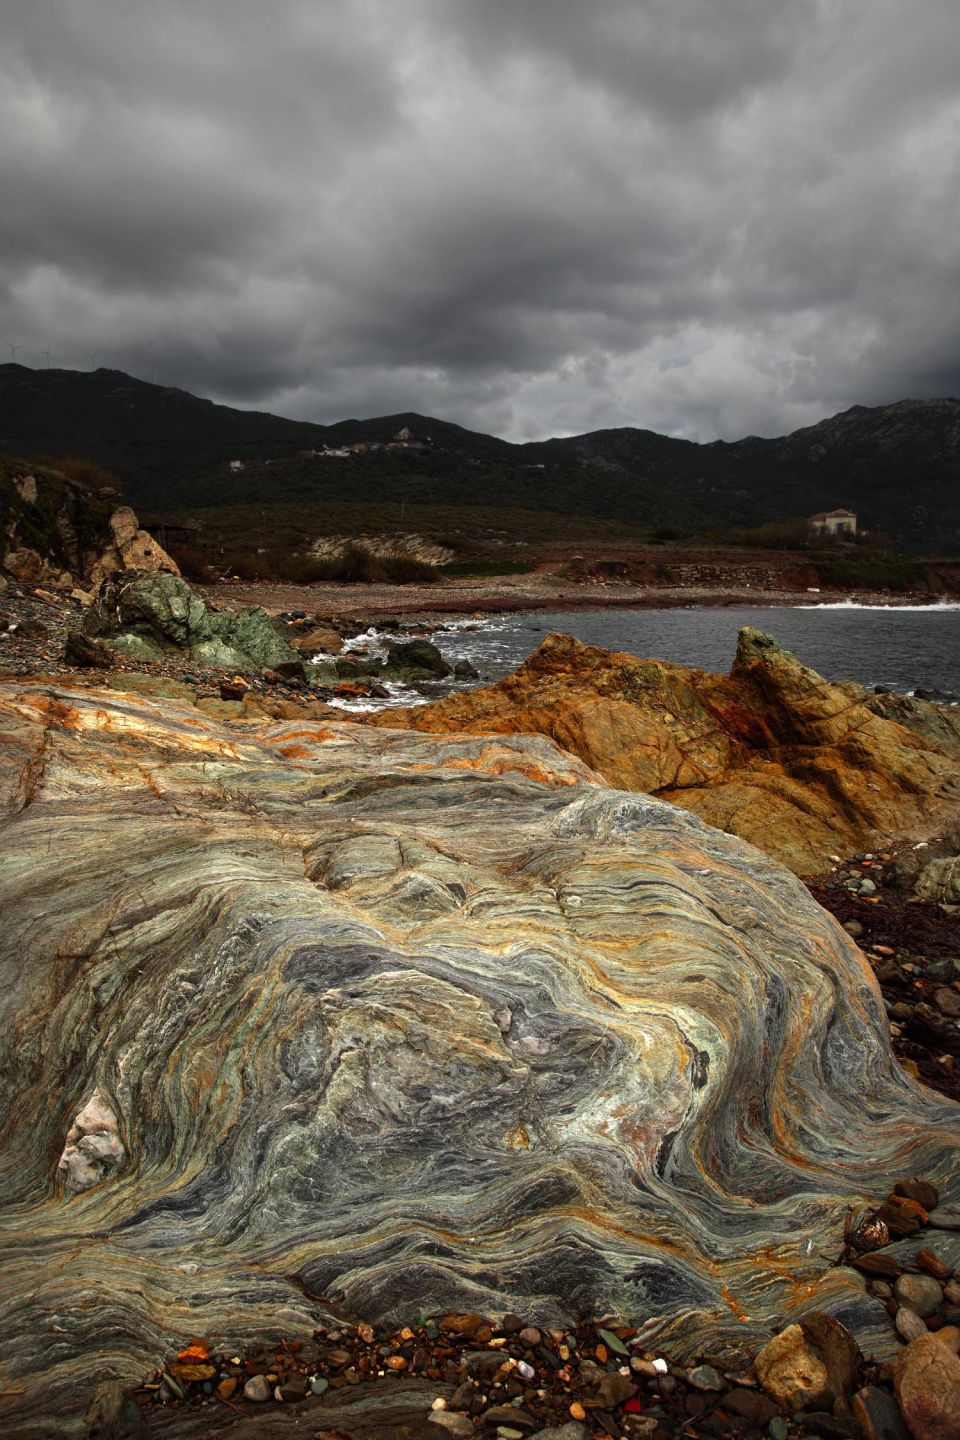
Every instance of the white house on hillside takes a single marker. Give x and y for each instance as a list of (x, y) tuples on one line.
[(834, 522)]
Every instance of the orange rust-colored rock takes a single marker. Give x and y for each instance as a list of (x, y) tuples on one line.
[(801, 767)]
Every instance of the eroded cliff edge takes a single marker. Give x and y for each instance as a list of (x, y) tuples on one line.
[(386, 1019)]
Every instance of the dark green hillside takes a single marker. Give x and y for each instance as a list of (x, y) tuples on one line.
[(155, 439), (898, 466)]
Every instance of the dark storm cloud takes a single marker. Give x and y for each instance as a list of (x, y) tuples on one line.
[(531, 218)]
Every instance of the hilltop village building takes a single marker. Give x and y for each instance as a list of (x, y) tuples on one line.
[(834, 522)]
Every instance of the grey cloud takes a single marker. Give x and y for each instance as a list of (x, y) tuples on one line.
[(534, 219)]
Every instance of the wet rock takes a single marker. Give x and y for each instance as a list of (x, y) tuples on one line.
[(878, 1414), (931, 1264), (753, 1405), (257, 1389), (293, 1388), (838, 1351), (511, 1416), (87, 654), (827, 1426), (940, 880), (113, 1414), (319, 639), (902, 1216), (129, 549), (452, 1423), (735, 749), (909, 1324), (791, 1371), (920, 1293), (613, 1389), (149, 617), (26, 565), (921, 1191), (290, 670), (888, 1267), (705, 1377), (416, 660), (247, 944), (947, 1002), (926, 1378), (572, 1430), (93, 1146)]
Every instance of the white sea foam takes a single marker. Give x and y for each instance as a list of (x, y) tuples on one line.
[(942, 605), (399, 695)]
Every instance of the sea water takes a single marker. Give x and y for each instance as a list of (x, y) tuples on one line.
[(901, 647)]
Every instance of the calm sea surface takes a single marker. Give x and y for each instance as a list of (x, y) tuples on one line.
[(903, 648)]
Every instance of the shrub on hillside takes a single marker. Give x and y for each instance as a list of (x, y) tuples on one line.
[(777, 535), (85, 472), (193, 563), (301, 569), (405, 570), (245, 565)]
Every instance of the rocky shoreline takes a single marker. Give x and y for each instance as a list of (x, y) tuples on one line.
[(283, 820), (374, 603)]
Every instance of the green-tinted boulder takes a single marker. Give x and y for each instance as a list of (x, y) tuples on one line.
[(151, 616), (250, 633), (163, 608)]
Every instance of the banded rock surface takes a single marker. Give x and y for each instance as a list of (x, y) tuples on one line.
[(799, 766), (312, 1020)]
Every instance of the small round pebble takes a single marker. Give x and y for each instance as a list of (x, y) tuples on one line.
[(257, 1388), (705, 1377), (909, 1325), (919, 1292)]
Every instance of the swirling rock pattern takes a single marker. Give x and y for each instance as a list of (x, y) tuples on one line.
[(387, 1023), (772, 752)]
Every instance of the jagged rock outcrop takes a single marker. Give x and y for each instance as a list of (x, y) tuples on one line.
[(58, 531), (129, 549), (51, 526), (799, 766), (412, 1023), (150, 616)]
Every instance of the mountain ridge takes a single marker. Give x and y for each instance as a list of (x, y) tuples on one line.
[(896, 465)]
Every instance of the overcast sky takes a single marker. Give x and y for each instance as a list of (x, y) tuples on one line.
[(533, 217)]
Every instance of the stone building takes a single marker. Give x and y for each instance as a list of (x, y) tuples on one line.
[(834, 522)]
